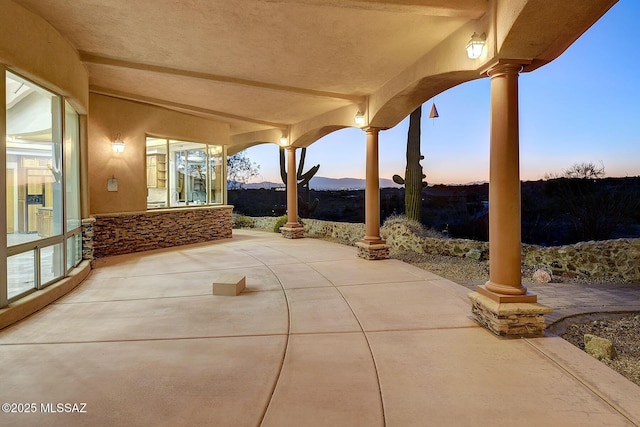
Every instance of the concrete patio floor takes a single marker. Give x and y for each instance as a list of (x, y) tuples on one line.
[(318, 338)]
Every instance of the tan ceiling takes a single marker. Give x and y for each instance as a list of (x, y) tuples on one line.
[(266, 64)]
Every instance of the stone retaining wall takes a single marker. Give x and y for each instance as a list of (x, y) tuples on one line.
[(265, 223), (116, 234), (348, 233), (619, 259)]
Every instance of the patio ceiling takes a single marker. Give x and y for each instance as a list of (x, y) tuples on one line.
[(303, 66)]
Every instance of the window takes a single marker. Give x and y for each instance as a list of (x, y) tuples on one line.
[(21, 277), (181, 173), (43, 219), (74, 250), (72, 167), (34, 162), (51, 261), (216, 174)]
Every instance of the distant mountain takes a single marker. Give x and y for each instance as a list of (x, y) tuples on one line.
[(322, 183), (264, 184)]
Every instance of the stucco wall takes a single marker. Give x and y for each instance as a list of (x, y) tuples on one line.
[(134, 121), (142, 231), (31, 47)]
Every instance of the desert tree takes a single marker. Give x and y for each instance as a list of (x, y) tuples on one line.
[(592, 209), (240, 169), (583, 170)]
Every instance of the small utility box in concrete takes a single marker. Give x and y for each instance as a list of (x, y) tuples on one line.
[(229, 285)]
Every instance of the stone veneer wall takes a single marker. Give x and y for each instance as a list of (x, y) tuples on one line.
[(618, 258), (87, 238), (116, 234)]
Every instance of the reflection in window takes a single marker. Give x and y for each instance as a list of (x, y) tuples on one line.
[(34, 162), (43, 185), (181, 173), (21, 273), (156, 173), (72, 167), (51, 263), (216, 163), (74, 250)]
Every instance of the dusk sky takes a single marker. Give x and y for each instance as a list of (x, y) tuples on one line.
[(582, 107)]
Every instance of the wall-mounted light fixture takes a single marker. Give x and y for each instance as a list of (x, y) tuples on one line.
[(359, 118), (117, 145), (476, 45), (283, 141)]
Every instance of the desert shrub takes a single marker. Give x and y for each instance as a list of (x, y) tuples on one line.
[(414, 226), (280, 222), (242, 221)]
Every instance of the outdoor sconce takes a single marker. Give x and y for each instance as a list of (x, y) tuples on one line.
[(476, 45), (118, 144), (359, 118), (284, 141)]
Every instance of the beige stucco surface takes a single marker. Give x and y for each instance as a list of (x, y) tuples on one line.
[(31, 46), (205, 72), (318, 338), (134, 121), (300, 67)]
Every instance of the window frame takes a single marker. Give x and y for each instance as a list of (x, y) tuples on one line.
[(36, 246), (173, 188)]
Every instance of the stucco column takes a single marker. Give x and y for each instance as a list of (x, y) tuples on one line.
[(503, 305), (504, 183), (371, 246), (372, 190), (292, 189)]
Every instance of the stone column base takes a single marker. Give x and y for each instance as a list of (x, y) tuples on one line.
[(292, 232), (372, 251), (87, 240), (514, 319)]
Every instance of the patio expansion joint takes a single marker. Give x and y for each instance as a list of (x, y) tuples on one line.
[(59, 302), (425, 329), (286, 346), (169, 273), (584, 383), (202, 337), (375, 331), (354, 332), (362, 331), (373, 358), (375, 283)]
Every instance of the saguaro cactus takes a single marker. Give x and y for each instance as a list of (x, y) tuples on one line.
[(413, 175), (302, 178)]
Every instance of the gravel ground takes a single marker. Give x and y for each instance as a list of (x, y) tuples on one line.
[(624, 332)]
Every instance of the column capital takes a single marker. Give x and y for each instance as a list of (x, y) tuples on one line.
[(505, 66), (290, 148), (373, 129)]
